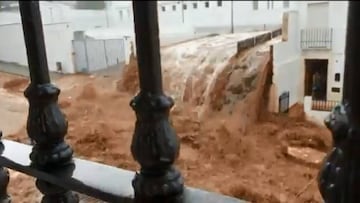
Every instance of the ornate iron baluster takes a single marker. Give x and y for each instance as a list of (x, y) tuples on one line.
[(339, 178), (4, 179), (155, 144), (46, 124)]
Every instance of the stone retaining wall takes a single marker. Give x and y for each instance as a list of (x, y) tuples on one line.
[(259, 39)]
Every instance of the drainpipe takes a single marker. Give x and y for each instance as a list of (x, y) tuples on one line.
[(51, 15), (182, 11), (232, 16), (106, 14)]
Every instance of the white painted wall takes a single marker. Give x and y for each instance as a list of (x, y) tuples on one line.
[(93, 55), (57, 39), (289, 65), (216, 17), (172, 27), (336, 19), (119, 14), (220, 16), (288, 74), (52, 12)]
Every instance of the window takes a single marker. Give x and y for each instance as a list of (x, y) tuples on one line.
[(270, 4), (163, 8), (219, 3), (286, 4), (195, 5), (121, 13), (184, 6), (206, 4), (255, 5), (174, 7), (337, 77)]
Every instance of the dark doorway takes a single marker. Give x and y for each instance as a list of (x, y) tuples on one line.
[(316, 78)]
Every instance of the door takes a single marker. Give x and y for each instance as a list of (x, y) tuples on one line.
[(316, 71), (80, 56)]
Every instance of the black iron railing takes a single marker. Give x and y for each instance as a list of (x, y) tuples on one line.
[(155, 144), (323, 105), (316, 38), (339, 179)]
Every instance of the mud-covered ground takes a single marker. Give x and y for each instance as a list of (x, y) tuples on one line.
[(229, 142), (215, 154)]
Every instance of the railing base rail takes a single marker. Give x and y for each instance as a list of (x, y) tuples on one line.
[(97, 180)]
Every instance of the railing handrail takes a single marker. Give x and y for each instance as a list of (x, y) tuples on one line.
[(58, 173), (104, 182), (51, 159)]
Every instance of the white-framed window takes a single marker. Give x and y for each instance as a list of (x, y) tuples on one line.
[(184, 6), (174, 7), (219, 3), (195, 5), (163, 8)]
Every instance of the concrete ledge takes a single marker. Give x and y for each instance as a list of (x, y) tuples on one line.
[(97, 180)]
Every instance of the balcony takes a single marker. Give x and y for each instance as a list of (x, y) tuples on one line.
[(316, 38)]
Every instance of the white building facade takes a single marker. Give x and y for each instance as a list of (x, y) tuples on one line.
[(210, 16), (314, 44), (178, 20)]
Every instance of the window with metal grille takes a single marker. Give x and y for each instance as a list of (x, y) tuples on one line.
[(121, 13), (286, 4), (255, 5), (206, 4)]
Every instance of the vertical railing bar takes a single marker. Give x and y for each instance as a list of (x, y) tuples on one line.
[(148, 46), (352, 63), (339, 178), (34, 41), (46, 124), (155, 144)]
